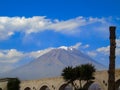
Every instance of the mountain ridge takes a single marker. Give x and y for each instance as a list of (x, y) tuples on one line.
[(52, 63)]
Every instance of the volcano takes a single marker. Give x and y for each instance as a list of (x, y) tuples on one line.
[(52, 63)]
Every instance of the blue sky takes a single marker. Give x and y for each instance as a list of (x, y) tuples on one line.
[(29, 26)]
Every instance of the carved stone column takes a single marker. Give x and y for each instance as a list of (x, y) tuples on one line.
[(111, 71)]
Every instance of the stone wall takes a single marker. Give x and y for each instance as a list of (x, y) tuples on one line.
[(3, 84), (57, 82)]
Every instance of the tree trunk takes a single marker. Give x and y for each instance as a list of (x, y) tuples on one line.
[(80, 83), (111, 71)]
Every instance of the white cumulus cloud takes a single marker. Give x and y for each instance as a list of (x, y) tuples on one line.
[(10, 56), (77, 45), (92, 53), (36, 54), (106, 50), (8, 59), (10, 25), (102, 54)]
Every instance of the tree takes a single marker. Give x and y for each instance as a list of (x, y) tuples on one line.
[(87, 72), (82, 72), (69, 75), (13, 84), (78, 74)]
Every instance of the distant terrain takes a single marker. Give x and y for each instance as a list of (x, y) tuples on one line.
[(51, 64)]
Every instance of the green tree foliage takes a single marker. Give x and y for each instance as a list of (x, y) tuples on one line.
[(82, 72), (87, 72), (69, 75), (78, 74), (13, 84)]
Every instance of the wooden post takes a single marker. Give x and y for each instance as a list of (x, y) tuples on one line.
[(111, 71)]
